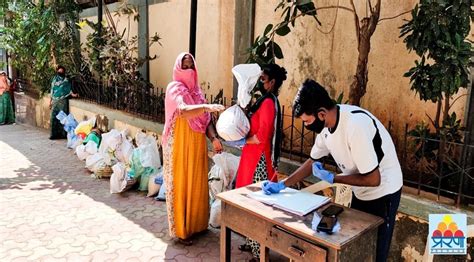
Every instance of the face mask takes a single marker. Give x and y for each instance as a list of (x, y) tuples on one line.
[(317, 125), (261, 88)]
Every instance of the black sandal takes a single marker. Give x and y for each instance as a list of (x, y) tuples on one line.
[(245, 248), (186, 242)]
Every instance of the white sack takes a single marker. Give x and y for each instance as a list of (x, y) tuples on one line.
[(81, 152), (233, 124), (229, 164), (94, 162), (215, 217), (247, 76), (118, 180)]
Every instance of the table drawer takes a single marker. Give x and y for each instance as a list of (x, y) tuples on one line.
[(294, 247)]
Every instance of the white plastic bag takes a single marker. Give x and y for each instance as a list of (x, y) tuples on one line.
[(109, 144), (81, 152), (94, 162), (222, 174), (124, 151), (229, 164), (91, 147), (216, 183), (153, 187), (85, 127), (215, 216), (118, 181), (148, 147), (162, 194), (233, 124), (247, 76), (84, 151)]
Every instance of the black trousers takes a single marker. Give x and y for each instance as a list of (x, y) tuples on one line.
[(386, 208)]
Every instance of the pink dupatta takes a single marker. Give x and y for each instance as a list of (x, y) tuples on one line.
[(184, 89)]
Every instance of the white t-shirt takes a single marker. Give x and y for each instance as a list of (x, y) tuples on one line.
[(359, 144)]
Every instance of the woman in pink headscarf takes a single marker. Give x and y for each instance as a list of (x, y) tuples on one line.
[(185, 169)]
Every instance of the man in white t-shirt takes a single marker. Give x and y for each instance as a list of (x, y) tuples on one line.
[(362, 149)]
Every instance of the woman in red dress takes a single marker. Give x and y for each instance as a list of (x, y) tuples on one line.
[(261, 150)]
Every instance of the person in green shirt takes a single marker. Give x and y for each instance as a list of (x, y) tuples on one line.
[(61, 91)]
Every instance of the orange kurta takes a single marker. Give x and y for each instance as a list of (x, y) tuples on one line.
[(186, 180)]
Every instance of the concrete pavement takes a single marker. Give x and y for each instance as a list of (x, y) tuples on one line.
[(52, 210)]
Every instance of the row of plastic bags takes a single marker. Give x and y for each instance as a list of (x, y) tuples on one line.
[(115, 152)]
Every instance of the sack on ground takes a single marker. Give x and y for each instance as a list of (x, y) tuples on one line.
[(215, 216), (138, 171), (222, 173), (162, 194), (93, 136), (83, 151), (94, 162), (149, 154), (118, 181), (85, 127), (233, 124), (216, 183), (229, 164), (153, 187)]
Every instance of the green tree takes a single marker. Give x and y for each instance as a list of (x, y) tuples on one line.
[(40, 36), (438, 34), (266, 50), (112, 56)]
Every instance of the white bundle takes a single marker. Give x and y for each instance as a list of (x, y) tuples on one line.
[(233, 124), (247, 76)]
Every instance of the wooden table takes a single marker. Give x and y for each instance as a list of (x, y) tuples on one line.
[(291, 235)]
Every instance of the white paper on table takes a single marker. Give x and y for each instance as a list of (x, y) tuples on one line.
[(291, 200)]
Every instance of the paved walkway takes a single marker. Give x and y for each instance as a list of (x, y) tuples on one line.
[(51, 209)]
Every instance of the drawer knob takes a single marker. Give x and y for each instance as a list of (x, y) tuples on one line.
[(296, 251)]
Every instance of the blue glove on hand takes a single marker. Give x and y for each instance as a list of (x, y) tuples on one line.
[(321, 173), (237, 143), (272, 188)]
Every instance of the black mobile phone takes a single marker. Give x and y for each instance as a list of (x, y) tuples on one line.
[(332, 211), (326, 224)]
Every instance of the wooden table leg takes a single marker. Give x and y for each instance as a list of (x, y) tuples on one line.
[(264, 257), (225, 243)]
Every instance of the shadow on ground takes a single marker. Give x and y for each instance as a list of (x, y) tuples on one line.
[(51, 166)]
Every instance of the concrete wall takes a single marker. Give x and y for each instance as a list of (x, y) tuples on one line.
[(32, 111), (215, 45), (170, 19), (331, 58)]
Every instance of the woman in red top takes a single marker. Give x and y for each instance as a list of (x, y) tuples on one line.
[(261, 151)]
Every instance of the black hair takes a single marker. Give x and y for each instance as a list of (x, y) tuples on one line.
[(60, 67), (274, 71), (310, 98)]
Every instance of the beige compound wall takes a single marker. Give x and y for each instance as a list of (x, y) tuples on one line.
[(330, 57), (170, 19), (214, 42)]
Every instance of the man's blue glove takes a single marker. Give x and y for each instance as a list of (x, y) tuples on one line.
[(321, 173), (237, 143), (269, 187)]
